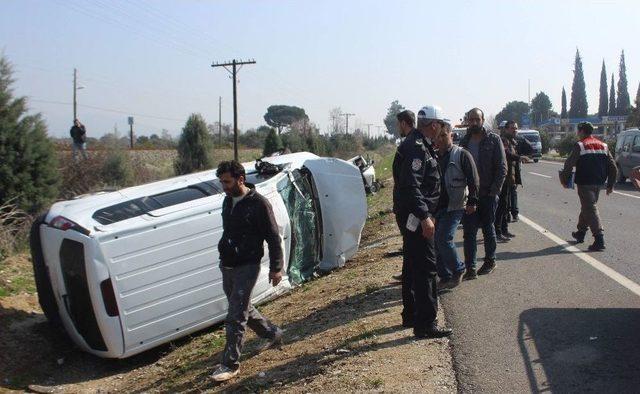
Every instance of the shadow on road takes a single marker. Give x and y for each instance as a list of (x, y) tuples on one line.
[(552, 250), (578, 350)]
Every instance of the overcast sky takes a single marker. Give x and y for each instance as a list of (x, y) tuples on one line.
[(152, 59)]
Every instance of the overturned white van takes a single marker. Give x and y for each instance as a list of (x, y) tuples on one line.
[(128, 270)]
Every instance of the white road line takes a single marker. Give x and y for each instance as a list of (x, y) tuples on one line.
[(542, 175), (625, 194), (558, 163), (621, 279)]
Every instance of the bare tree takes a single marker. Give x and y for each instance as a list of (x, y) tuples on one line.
[(336, 125)]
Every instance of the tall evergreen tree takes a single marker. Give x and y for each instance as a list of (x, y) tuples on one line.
[(578, 107), (195, 148), (634, 115), (603, 105), (28, 169), (272, 144), (612, 98), (623, 102), (563, 111)]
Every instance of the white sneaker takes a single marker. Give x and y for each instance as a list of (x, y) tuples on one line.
[(224, 373)]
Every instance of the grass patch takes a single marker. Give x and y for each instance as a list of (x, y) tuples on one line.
[(375, 383), (16, 276)]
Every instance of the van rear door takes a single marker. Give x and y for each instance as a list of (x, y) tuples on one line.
[(343, 208)]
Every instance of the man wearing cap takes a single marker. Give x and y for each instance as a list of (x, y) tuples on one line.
[(416, 195), (488, 153), (594, 166)]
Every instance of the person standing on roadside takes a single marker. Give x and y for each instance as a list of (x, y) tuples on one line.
[(416, 195), (406, 123), (459, 195), (511, 180), (488, 154), (79, 136), (247, 222), (594, 166)]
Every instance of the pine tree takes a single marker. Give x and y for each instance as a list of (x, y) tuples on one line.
[(563, 112), (612, 98), (578, 107), (195, 147), (623, 102), (273, 143), (603, 105), (634, 115), (28, 166)]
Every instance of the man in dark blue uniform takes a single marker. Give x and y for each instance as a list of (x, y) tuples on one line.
[(415, 199)]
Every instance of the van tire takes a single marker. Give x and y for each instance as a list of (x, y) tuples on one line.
[(46, 298), (536, 160)]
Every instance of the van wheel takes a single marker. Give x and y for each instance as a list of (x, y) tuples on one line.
[(375, 187), (536, 160), (41, 275)]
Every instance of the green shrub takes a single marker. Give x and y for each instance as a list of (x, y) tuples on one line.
[(272, 144), (117, 169), (195, 149), (565, 145)]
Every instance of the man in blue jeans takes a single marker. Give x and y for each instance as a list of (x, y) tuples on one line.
[(488, 154), (459, 195)]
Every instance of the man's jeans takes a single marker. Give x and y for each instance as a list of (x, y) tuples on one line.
[(514, 201), (238, 283), (446, 224), (82, 147), (484, 217)]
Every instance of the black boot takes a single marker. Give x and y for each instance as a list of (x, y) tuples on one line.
[(488, 266), (598, 243), (578, 236)]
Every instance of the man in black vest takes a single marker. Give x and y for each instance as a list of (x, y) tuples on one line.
[(247, 222), (594, 166)]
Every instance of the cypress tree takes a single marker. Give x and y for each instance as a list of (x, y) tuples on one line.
[(273, 143), (623, 102), (28, 166), (612, 98), (563, 112), (634, 115), (195, 147), (578, 107), (603, 105)]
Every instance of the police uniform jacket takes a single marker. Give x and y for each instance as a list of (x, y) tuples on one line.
[(416, 177)]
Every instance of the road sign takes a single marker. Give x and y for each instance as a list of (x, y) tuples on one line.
[(130, 120)]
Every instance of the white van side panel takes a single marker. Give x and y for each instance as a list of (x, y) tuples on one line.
[(167, 279)]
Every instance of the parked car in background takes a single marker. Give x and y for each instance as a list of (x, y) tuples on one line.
[(627, 153), (533, 136), (125, 271), (365, 166)]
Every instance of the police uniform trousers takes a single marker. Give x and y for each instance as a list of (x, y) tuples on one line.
[(419, 287)]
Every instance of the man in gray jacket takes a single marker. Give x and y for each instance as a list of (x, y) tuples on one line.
[(459, 195), (488, 153)]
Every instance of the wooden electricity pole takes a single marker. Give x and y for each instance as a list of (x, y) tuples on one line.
[(233, 71), (347, 117)]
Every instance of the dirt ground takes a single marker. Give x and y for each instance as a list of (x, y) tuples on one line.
[(342, 333)]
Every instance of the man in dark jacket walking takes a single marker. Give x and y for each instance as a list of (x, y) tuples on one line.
[(247, 221), (488, 153), (511, 181), (594, 166), (79, 136)]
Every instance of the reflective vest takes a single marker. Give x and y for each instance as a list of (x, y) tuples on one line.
[(591, 168)]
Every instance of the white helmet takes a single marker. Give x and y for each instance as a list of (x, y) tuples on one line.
[(433, 112)]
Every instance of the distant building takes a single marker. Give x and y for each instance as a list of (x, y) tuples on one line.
[(608, 126)]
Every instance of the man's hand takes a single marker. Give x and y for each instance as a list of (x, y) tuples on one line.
[(275, 278), (609, 190), (428, 228), (470, 209), (525, 159)]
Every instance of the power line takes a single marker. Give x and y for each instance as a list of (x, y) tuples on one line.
[(35, 100), (234, 70)]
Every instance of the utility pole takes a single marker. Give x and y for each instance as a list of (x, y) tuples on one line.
[(75, 88), (234, 71), (220, 120), (347, 117), (369, 129)]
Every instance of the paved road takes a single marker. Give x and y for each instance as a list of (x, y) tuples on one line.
[(549, 319)]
